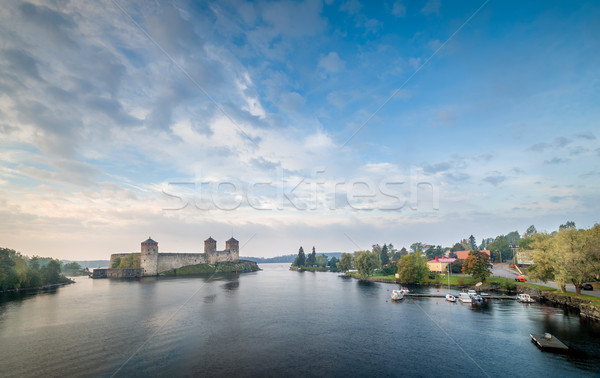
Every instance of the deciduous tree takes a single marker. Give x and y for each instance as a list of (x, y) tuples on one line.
[(345, 263), (477, 264), (412, 268), (366, 262)]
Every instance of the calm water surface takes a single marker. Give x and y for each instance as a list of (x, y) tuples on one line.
[(277, 322)]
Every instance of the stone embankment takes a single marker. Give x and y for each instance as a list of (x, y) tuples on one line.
[(585, 307)]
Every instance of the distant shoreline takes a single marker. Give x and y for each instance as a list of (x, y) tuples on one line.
[(43, 287)]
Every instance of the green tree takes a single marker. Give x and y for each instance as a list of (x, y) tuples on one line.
[(545, 260), (7, 262), (72, 266), (433, 252), (416, 247), (570, 225), (500, 250), (530, 232), (384, 257), (513, 237), (477, 264), (526, 243), (300, 260), (472, 242), (51, 272), (322, 261), (573, 261), (366, 262), (412, 268), (398, 254), (456, 266), (311, 260), (333, 264), (116, 262), (456, 247), (345, 263)]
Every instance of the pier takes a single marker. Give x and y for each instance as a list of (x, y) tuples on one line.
[(436, 295)]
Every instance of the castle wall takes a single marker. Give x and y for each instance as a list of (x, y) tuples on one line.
[(152, 262), (221, 256), (117, 273), (168, 261)]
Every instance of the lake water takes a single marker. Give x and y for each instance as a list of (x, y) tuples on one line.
[(278, 322)]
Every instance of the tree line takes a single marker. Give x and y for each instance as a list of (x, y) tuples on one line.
[(20, 272), (321, 262), (386, 260)]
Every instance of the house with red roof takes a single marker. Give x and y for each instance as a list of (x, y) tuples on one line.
[(464, 254), (440, 264)]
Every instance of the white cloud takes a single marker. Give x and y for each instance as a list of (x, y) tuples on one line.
[(332, 63), (398, 9), (432, 7)]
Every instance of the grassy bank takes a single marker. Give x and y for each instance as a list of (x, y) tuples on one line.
[(455, 281), (553, 291), (311, 269), (222, 267)]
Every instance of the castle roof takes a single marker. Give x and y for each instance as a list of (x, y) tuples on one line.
[(232, 240), (210, 239), (150, 241)]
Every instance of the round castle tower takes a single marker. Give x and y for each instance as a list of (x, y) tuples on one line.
[(210, 249), (149, 257), (233, 246)]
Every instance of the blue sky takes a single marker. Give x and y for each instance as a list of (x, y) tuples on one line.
[(337, 124)]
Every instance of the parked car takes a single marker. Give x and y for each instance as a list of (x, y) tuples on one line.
[(587, 286), (521, 278)]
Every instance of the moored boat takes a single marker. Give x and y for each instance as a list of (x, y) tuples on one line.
[(524, 298), (450, 298), (397, 295), (464, 298)]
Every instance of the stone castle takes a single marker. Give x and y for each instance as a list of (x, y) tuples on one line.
[(152, 262)]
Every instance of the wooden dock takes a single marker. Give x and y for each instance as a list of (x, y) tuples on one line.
[(436, 295), (547, 342)]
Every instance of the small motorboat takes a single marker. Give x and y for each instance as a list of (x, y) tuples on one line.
[(471, 293), (464, 298), (477, 298), (524, 298), (483, 295), (450, 298), (397, 295)]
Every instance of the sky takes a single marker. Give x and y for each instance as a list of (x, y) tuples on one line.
[(336, 124)]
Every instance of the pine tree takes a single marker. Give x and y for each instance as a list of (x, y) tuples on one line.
[(300, 259), (473, 243), (385, 259)]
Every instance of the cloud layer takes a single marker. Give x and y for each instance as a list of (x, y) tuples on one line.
[(276, 121)]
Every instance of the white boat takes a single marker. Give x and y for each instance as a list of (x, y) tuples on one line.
[(464, 298), (450, 298), (404, 290), (477, 298), (397, 295), (471, 293), (524, 298), (484, 295)]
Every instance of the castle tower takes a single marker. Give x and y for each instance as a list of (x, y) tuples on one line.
[(149, 257), (233, 246), (210, 249)]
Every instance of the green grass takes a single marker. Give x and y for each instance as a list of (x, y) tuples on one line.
[(534, 286), (591, 298)]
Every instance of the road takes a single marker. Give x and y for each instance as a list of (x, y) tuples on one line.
[(503, 270)]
